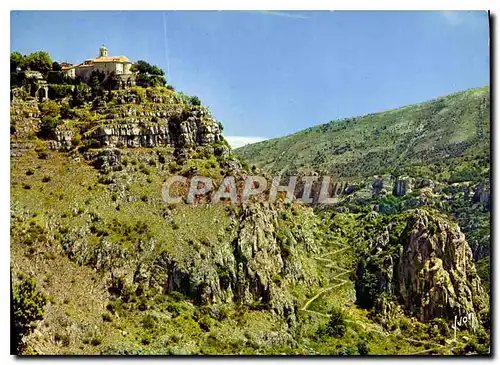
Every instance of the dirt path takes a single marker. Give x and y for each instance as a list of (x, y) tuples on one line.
[(339, 283), (331, 264)]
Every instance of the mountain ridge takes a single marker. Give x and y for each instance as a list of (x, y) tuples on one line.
[(396, 128)]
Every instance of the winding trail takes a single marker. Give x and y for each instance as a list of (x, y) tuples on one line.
[(331, 264), (340, 282)]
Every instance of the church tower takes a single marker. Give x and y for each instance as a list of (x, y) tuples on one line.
[(103, 52)]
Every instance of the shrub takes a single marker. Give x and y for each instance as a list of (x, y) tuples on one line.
[(337, 324), (139, 91), (59, 91), (76, 140), (50, 109), (48, 127), (390, 205), (149, 322), (194, 100), (28, 307), (67, 112), (91, 143), (363, 347), (176, 296), (96, 341), (43, 155)]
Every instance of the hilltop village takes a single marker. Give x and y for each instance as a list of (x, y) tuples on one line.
[(38, 75)]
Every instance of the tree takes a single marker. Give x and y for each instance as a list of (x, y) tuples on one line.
[(96, 81), (194, 100), (155, 70), (56, 66), (58, 77), (39, 61), (28, 307), (337, 326), (59, 91), (79, 96), (149, 75), (363, 347), (48, 127), (17, 60), (143, 67), (111, 82)]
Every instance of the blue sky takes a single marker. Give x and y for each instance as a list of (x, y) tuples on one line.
[(269, 74)]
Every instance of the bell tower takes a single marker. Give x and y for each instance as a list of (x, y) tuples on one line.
[(103, 52)]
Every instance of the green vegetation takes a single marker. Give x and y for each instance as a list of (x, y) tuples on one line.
[(148, 75), (28, 308), (126, 273), (428, 140)]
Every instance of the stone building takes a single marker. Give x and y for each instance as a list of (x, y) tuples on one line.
[(120, 65)]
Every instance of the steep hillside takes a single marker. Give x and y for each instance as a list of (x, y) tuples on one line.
[(423, 140), (101, 264), (435, 153)]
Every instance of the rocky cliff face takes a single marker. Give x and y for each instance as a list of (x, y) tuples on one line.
[(249, 265), (198, 128), (24, 118), (152, 119), (426, 266)]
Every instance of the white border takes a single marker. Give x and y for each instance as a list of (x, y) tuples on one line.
[(189, 5)]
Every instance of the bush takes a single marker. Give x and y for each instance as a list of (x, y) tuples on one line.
[(176, 296), (91, 143), (194, 100), (149, 322), (79, 95), (28, 307), (59, 91), (76, 140), (141, 95), (50, 109), (337, 325), (96, 341), (66, 111), (390, 205), (43, 155), (363, 347), (106, 317), (48, 127)]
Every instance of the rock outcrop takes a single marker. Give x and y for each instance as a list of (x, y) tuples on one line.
[(197, 129), (482, 194), (154, 120), (248, 265), (426, 266), (24, 118), (403, 185)]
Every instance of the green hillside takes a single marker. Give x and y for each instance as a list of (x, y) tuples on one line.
[(101, 264), (422, 140)]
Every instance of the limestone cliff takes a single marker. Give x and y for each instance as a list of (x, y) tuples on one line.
[(426, 266), (248, 265), (144, 118)]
